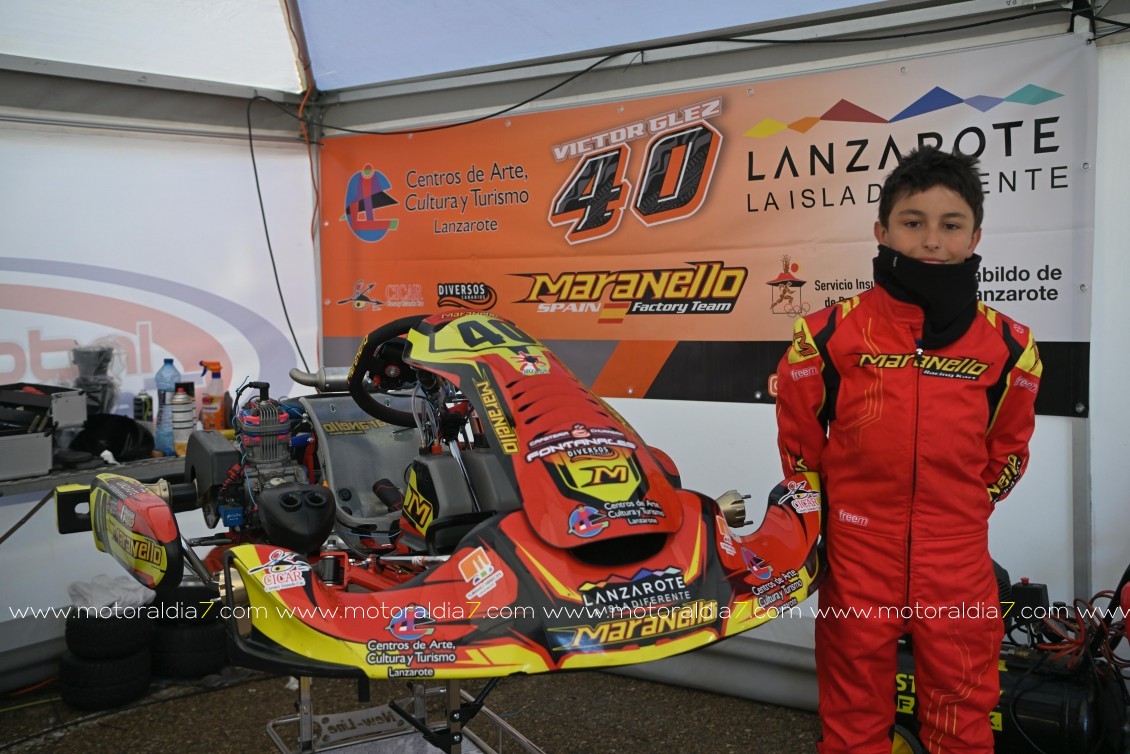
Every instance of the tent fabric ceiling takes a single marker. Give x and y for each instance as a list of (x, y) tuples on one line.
[(355, 43), (241, 42), (253, 44)]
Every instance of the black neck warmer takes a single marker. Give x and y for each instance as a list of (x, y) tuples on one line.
[(946, 293)]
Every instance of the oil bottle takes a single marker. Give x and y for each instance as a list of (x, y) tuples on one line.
[(213, 406)]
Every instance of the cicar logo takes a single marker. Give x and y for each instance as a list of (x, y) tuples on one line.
[(360, 299)]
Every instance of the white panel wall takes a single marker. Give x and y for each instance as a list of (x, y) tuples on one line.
[(1110, 355)]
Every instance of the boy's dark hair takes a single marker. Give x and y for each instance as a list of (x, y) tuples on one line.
[(927, 167)]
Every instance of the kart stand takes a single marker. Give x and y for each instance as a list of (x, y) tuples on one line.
[(392, 727)]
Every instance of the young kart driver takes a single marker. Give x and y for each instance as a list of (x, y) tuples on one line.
[(914, 403)]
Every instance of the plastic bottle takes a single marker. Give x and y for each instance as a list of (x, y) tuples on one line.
[(213, 413), (166, 379), (184, 420)]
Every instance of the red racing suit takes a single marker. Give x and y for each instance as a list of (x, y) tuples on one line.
[(914, 449)]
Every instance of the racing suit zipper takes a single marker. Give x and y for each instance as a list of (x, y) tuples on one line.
[(914, 469)]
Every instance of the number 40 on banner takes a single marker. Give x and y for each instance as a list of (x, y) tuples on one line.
[(672, 185)]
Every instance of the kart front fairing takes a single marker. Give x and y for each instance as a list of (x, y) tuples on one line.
[(575, 549)]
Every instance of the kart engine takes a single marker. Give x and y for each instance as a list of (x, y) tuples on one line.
[(260, 489)]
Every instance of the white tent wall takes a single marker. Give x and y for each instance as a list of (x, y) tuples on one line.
[(1108, 440), (147, 230)]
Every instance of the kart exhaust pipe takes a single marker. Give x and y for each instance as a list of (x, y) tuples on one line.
[(732, 505), (332, 380)]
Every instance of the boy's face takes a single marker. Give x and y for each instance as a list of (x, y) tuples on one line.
[(933, 226)]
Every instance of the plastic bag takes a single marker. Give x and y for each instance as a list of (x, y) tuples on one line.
[(103, 591)]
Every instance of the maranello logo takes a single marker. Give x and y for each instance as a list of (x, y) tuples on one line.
[(699, 288), (366, 203)]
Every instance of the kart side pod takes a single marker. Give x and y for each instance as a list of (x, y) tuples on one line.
[(138, 529), (505, 601)]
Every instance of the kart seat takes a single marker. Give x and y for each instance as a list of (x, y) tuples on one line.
[(442, 504), (493, 488)]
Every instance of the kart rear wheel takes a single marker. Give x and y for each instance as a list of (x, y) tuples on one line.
[(190, 650), (87, 684), (96, 638), (188, 604), (905, 742)]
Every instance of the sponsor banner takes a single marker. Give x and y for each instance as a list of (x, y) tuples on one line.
[(714, 216)]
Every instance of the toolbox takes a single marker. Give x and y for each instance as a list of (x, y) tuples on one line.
[(29, 416)]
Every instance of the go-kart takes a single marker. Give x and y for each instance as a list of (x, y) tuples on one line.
[(461, 507)]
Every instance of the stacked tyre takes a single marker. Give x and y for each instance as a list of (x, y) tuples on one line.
[(189, 639), (107, 661)]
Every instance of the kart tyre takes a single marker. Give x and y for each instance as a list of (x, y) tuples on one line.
[(87, 684), (185, 605), (905, 742), (96, 638), (191, 650)]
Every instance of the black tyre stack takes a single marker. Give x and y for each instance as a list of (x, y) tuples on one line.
[(189, 639), (106, 664)]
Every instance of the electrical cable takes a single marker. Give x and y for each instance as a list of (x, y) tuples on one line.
[(446, 126), (27, 517), (308, 74), (267, 234), (910, 34), (481, 118), (1016, 696)]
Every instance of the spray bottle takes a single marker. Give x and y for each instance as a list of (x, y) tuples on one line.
[(213, 413)]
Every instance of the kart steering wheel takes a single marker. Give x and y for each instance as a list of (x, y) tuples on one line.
[(381, 356)]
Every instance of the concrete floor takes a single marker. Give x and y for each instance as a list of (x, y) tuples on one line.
[(563, 713)]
